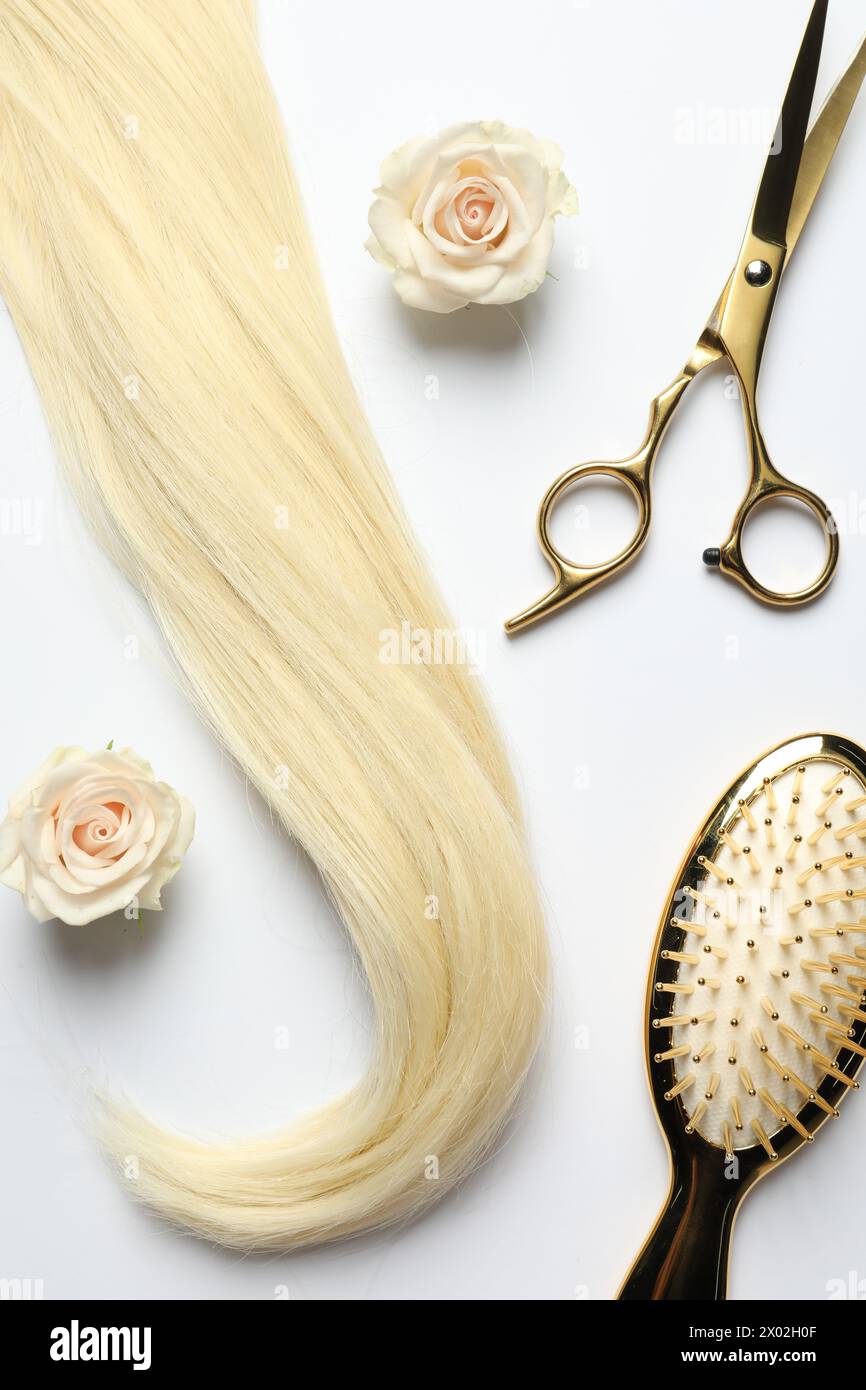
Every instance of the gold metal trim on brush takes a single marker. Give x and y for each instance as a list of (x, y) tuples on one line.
[(686, 1253)]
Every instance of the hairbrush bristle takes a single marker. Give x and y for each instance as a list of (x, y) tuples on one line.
[(771, 962)]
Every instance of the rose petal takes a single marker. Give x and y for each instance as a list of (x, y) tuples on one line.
[(78, 880), (35, 906), (171, 860), (14, 875), (520, 229), (375, 250), (419, 293), (117, 761), (470, 281), (528, 181), (10, 841), (454, 163), (21, 799), (464, 251), (404, 172), (527, 272), (562, 198), (79, 911), (388, 222), (499, 134)]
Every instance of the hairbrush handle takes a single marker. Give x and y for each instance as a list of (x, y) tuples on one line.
[(686, 1254)]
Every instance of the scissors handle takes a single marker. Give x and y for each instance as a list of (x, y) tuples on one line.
[(743, 316), (571, 580), (769, 485)]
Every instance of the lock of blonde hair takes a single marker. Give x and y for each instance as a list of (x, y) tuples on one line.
[(151, 233)]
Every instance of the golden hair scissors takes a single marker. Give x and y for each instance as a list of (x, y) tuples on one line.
[(736, 331)]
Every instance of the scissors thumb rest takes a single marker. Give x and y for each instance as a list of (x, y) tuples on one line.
[(736, 331)]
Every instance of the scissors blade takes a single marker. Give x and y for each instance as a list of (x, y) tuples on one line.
[(778, 186), (820, 148), (823, 140)]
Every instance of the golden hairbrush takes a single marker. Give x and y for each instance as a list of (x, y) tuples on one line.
[(756, 1004)]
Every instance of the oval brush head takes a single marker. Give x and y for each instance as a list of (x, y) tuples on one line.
[(772, 960), (756, 1007)]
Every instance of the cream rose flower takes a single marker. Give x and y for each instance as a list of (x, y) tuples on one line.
[(467, 215), (89, 833)]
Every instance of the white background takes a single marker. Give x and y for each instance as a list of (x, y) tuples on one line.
[(626, 716)]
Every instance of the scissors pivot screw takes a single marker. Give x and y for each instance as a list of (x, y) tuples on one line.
[(759, 273)]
